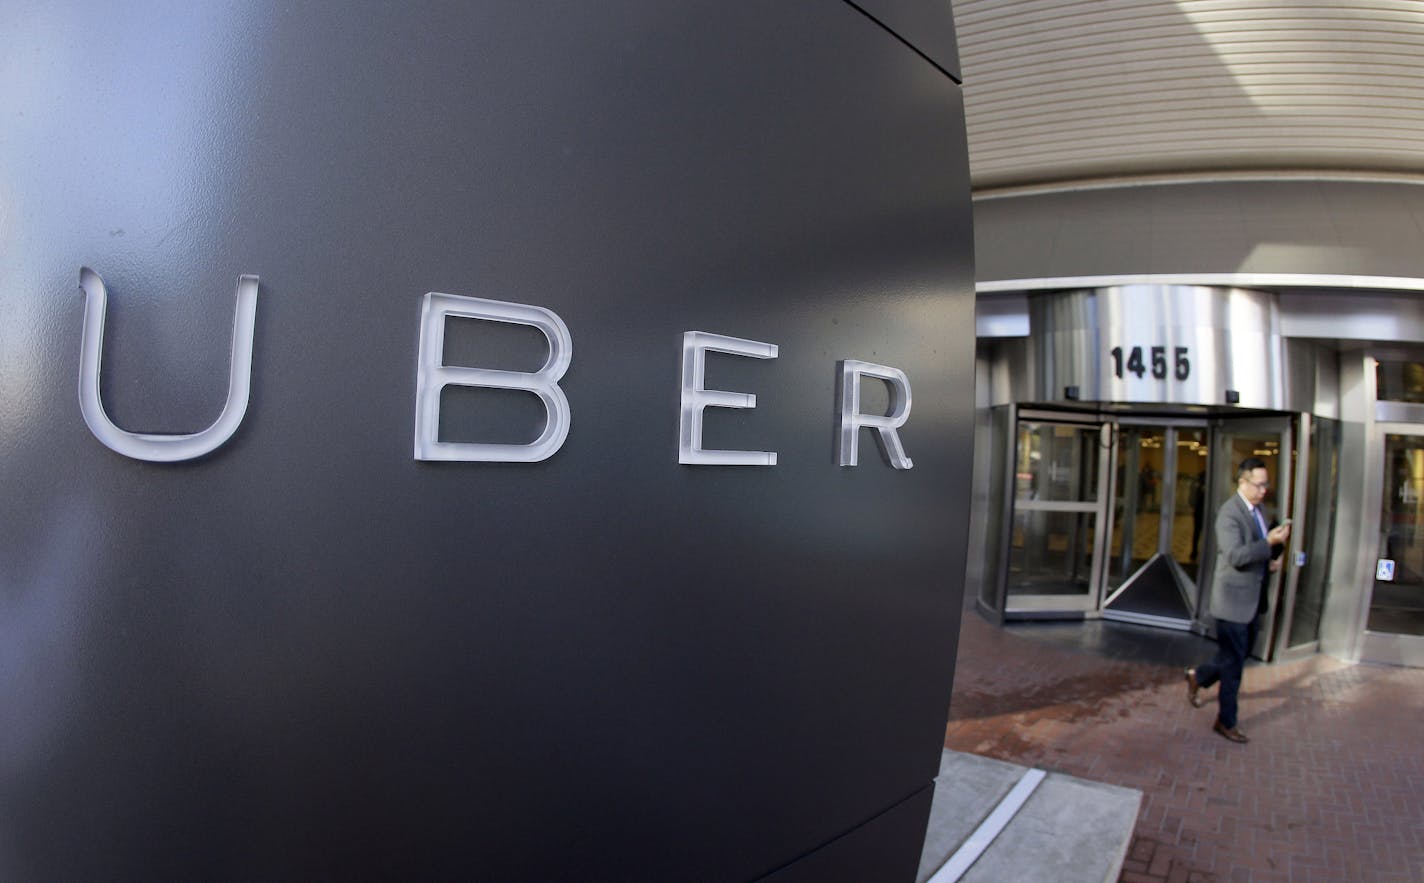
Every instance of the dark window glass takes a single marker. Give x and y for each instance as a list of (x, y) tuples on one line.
[(1400, 382)]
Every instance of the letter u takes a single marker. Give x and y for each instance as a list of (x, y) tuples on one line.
[(154, 447)]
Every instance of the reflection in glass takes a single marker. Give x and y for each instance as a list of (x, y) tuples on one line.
[(1398, 606), (1320, 523), (1400, 382), (1056, 462), (1189, 508), (1137, 508), (1051, 553), (1264, 447)]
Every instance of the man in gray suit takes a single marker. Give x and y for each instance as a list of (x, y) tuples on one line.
[(1246, 553)]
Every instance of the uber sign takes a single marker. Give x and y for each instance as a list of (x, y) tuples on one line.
[(578, 583), (433, 376)]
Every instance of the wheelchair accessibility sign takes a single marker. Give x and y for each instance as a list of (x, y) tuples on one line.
[(1384, 570)]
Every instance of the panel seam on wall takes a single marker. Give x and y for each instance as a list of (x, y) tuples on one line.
[(848, 831), (937, 66)]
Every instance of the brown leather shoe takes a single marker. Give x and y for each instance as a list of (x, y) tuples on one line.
[(1234, 734), (1193, 689)]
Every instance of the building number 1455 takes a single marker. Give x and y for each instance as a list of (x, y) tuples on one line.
[(1181, 365)]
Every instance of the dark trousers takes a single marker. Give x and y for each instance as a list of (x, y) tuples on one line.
[(1233, 642)]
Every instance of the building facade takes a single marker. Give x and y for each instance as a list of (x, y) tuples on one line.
[(1198, 229)]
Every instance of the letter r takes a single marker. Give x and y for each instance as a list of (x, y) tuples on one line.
[(851, 420)]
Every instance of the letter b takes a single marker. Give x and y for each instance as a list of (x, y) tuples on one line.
[(432, 375)]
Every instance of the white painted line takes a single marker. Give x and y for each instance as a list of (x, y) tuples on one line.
[(969, 852)]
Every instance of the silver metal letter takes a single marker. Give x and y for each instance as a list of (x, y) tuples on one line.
[(164, 448), (432, 375), (696, 397), (851, 420)]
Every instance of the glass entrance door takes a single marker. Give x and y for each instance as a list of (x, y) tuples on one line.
[(1316, 499), (1269, 440), (1395, 627), (1059, 483), (1160, 477), (1117, 517)]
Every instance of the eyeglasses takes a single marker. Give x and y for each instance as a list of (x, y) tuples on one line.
[(1259, 485)]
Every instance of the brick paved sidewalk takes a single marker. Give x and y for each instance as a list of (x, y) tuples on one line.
[(1330, 788)]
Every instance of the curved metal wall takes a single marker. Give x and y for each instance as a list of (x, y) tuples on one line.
[(309, 655), (1158, 344)]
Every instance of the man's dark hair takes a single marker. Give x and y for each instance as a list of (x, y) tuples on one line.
[(1248, 466)]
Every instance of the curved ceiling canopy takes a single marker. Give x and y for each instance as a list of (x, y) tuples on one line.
[(1061, 91)]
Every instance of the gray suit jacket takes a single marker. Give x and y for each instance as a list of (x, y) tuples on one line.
[(1242, 556)]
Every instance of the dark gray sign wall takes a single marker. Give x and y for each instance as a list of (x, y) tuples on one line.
[(308, 655)]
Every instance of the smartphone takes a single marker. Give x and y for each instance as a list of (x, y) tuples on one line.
[(1286, 523)]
